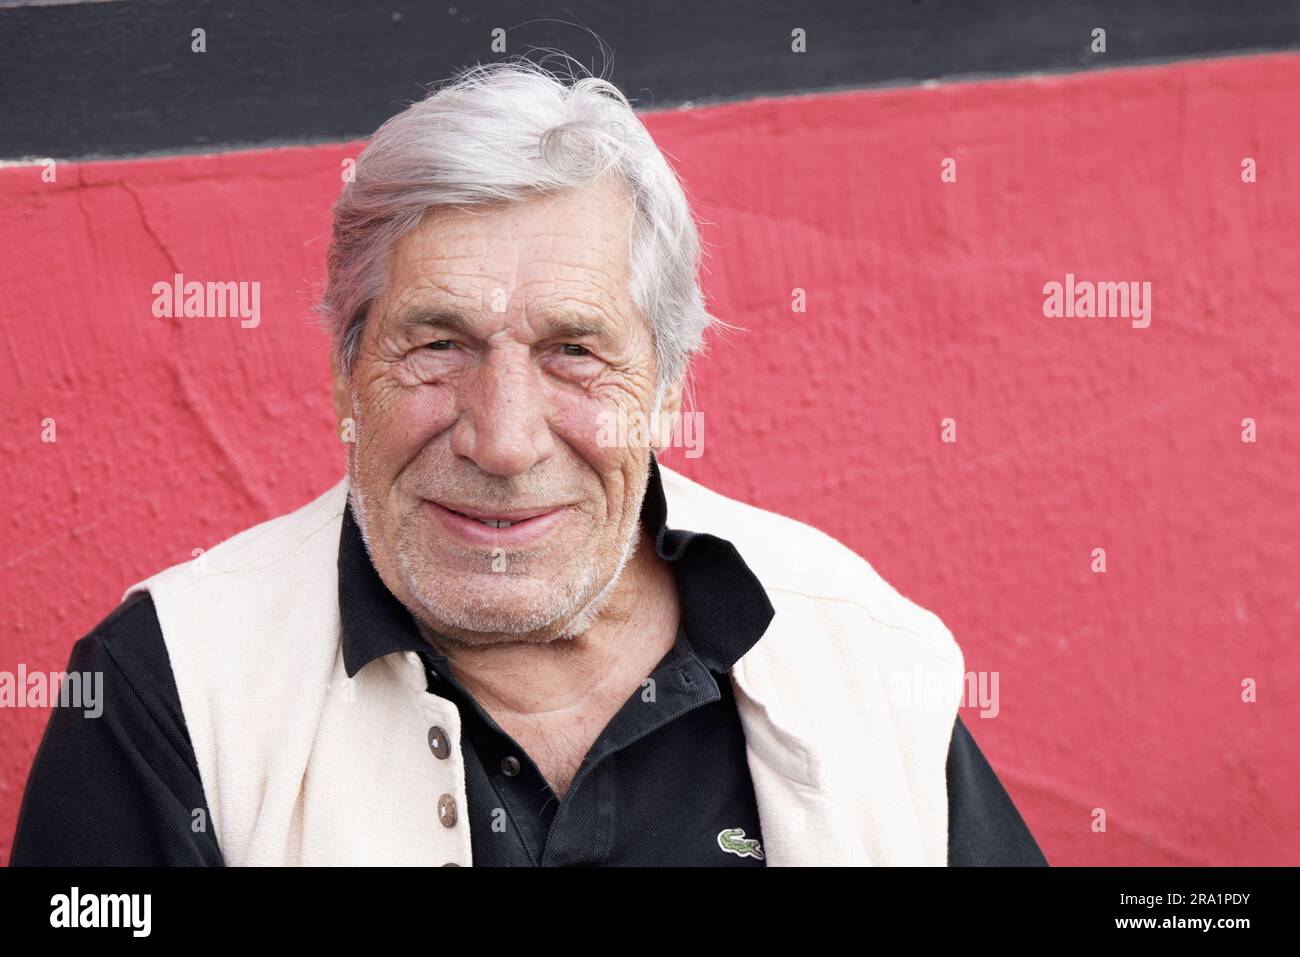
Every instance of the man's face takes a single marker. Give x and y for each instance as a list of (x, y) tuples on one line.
[(505, 338)]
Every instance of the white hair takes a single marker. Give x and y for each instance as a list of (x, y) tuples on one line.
[(507, 132)]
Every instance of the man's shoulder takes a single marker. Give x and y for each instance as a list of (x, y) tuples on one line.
[(251, 615), (217, 611), (127, 634), (128, 649), (803, 564), (259, 546)]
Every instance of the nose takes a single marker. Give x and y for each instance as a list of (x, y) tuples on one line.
[(503, 427)]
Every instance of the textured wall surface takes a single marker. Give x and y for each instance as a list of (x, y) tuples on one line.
[(1119, 691)]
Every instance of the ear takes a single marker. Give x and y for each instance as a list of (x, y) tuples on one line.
[(342, 389), (669, 409)]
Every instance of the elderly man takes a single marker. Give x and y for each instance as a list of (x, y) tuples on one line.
[(504, 638)]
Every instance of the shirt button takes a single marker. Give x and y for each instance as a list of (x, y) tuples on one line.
[(438, 742), (451, 864), (510, 765), (447, 810)]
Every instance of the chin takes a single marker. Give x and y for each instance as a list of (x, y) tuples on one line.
[(489, 605)]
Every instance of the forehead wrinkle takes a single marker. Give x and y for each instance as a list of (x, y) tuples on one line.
[(601, 275), (586, 288), (598, 290)]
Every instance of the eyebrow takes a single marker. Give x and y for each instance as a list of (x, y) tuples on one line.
[(555, 327), (570, 328), (442, 318)]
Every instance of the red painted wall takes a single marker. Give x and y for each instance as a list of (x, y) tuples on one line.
[(1119, 691)]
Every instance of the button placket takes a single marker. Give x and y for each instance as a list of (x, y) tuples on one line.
[(442, 737)]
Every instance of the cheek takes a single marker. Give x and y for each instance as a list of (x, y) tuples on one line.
[(582, 421), (397, 422)]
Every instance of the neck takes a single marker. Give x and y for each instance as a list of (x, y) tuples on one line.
[(632, 631)]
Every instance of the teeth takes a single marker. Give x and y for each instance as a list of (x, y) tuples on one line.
[(496, 524)]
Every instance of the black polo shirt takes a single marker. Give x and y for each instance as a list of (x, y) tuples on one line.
[(664, 781)]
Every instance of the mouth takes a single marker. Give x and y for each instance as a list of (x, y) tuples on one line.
[(515, 527), (499, 519)]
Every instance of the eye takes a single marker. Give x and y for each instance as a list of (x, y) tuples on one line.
[(582, 350), (440, 345)]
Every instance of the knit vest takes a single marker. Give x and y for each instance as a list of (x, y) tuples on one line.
[(847, 702)]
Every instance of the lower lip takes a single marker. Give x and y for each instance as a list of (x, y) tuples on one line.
[(519, 534)]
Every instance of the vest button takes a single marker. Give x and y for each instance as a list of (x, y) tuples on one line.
[(438, 742), (447, 810)]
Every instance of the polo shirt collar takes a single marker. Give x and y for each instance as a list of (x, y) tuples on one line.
[(724, 608)]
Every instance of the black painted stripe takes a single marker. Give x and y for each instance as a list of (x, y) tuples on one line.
[(119, 78)]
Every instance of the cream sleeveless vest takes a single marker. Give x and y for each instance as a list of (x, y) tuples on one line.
[(302, 766)]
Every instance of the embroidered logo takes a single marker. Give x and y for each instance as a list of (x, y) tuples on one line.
[(733, 841)]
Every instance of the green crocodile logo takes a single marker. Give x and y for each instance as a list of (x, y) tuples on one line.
[(733, 841)]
